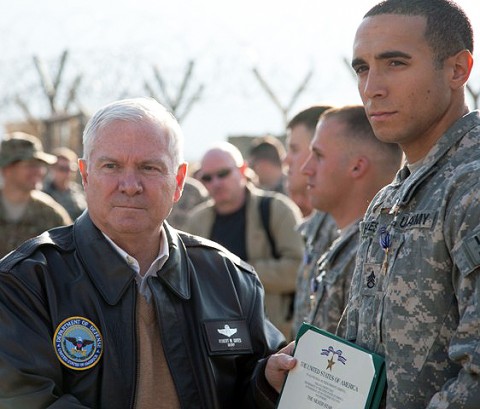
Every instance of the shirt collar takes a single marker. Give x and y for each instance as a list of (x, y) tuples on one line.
[(156, 265)]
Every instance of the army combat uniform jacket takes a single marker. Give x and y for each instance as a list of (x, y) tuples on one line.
[(318, 231), (42, 213), (68, 324), (415, 291), (331, 286)]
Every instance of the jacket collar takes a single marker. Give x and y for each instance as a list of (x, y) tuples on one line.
[(112, 275), (440, 152), (177, 269)]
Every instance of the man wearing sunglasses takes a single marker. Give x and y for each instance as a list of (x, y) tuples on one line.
[(232, 217)]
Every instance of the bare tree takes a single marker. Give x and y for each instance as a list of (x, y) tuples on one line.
[(51, 87), (284, 109), (175, 104)]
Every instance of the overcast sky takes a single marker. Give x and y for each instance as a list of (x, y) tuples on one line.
[(115, 44)]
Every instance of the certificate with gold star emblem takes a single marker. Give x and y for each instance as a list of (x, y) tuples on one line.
[(332, 373)]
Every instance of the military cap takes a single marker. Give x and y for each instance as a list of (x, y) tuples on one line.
[(21, 146)]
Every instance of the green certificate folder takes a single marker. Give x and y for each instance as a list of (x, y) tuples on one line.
[(332, 373)]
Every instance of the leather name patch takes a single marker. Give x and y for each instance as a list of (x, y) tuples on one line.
[(228, 336)]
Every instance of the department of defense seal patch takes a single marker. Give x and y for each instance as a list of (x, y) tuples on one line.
[(78, 343)]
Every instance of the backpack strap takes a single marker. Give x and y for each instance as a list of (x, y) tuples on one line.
[(264, 208), (265, 216)]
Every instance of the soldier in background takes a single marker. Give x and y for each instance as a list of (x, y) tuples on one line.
[(193, 194), (25, 211), (318, 228), (61, 186), (347, 166), (265, 158)]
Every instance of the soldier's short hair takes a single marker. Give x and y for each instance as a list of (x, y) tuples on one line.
[(359, 128), (308, 117), (448, 30), (267, 148)]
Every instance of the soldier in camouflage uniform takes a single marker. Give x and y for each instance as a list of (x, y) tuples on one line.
[(193, 194), (25, 212), (347, 166), (62, 187), (318, 231), (318, 228), (415, 291)]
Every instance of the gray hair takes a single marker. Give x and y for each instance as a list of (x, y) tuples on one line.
[(135, 110)]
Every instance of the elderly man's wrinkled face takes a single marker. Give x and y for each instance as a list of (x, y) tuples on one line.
[(130, 180)]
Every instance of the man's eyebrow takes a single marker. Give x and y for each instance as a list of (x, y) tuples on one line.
[(357, 61), (392, 54), (105, 158), (383, 56)]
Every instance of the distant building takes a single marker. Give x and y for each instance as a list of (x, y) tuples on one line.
[(58, 130), (244, 142)]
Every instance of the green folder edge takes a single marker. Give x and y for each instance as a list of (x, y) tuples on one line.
[(376, 390)]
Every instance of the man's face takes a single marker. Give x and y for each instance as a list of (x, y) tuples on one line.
[(25, 175), (298, 149), (224, 180), (404, 94), (130, 181), (327, 167), (62, 172)]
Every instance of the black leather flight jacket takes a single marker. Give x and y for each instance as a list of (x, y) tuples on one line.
[(74, 272)]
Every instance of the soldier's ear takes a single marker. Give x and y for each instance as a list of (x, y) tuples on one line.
[(359, 166), (459, 68)]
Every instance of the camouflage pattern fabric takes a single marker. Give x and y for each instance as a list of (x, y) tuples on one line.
[(72, 199), (193, 194), (415, 291), (331, 287), (319, 231), (42, 213)]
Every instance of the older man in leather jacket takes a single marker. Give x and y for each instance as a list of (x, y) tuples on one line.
[(120, 310)]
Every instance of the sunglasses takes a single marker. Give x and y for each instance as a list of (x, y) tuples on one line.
[(221, 174)]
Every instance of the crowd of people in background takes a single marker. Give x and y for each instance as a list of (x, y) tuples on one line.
[(363, 222)]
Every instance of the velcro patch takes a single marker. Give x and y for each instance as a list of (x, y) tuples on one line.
[(417, 220), (473, 249)]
